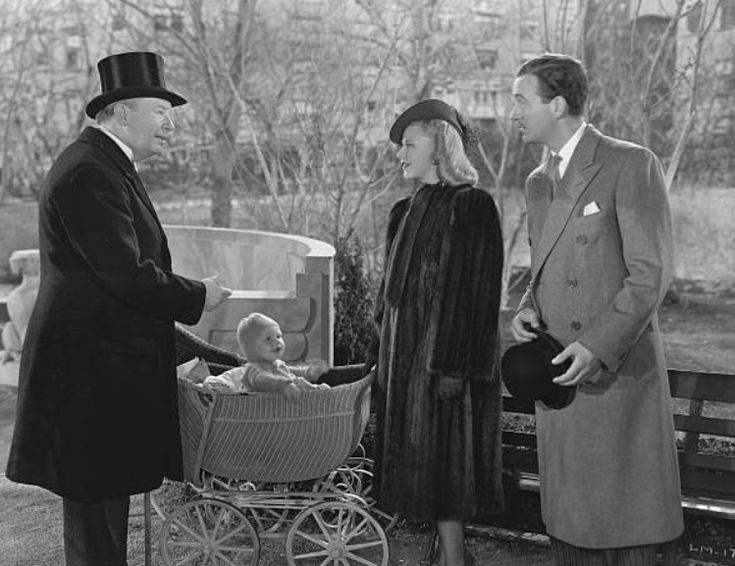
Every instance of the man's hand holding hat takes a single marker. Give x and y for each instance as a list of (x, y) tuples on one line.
[(584, 365), (527, 368), (523, 325)]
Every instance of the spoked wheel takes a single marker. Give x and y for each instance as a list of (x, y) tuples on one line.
[(209, 532), (334, 533), (357, 477)]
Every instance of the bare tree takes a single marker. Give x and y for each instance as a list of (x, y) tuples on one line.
[(707, 14), (213, 51), (46, 72), (319, 111), (636, 81)]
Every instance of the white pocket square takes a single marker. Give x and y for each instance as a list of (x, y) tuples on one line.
[(590, 208)]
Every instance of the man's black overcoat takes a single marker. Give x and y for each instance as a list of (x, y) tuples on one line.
[(97, 412)]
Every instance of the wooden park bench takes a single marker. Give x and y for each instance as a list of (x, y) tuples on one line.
[(704, 418)]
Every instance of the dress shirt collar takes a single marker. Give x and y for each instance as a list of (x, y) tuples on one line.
[(566, 152), (123, 146)]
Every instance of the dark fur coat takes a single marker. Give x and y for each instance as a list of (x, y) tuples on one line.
[(437, 314)]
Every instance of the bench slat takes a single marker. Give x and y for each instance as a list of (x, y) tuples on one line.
[(512, 405), (523, 439), (708, 461), (522, 460), (697, 504), (705, 386), (696, 482), (704, 425)]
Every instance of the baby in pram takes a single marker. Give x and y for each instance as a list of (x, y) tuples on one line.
[(261, 342)]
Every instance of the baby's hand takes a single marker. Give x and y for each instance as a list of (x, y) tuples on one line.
[(291, 392), (316, 369), (217, 386), (216, 383), (304, 384)]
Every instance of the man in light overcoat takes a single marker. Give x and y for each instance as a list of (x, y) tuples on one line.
[(601, 259), (97, 415)]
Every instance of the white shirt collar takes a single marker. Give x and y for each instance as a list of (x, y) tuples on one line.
[(123, 146), (566, 152)]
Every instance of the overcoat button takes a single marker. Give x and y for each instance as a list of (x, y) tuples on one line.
[(582, 239), (576, 325), (572, 283)]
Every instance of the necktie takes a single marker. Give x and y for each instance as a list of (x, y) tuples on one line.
[(552, 170)]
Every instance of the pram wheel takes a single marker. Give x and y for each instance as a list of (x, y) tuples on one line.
[(336, 533), (209, 532), (356, 477)]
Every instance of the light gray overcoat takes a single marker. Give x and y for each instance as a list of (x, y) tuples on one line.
[(608, 465)]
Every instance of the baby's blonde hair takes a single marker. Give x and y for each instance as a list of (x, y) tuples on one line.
[(250, 328)]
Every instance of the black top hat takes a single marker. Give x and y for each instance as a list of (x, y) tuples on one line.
[(528, 372), (429, 109), (137, 74)]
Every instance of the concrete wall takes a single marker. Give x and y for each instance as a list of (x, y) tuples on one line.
[(289, 278)]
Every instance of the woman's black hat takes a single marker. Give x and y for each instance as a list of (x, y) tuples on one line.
[(137, 74), (429, 109), (528, 372)]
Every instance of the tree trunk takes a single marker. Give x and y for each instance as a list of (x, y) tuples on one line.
[(225, 149), (223, 163)]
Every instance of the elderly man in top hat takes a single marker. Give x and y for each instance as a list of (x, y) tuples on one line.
[(97, 413)]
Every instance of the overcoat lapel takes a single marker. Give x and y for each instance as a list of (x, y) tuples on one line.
[(97, 138), (578, 175), (143, 195)]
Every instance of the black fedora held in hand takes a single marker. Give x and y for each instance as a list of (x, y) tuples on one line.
[(429, 109), (528, 372), (137, 74)]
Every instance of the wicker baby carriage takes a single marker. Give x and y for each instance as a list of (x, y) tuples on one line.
[(263, 467)]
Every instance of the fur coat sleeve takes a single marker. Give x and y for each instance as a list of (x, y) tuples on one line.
[(464, 321)]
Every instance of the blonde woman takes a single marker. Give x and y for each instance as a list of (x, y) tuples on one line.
[(439, 457)]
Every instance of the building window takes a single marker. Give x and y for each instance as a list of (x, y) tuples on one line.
[(307, 10), (445, 22), (42, 58), (118, 22), (487, 59), (73, 57), (727, 14), (482, 96), (695, 15), (177, 22)]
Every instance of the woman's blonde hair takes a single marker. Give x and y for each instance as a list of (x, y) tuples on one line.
[(452, 164)]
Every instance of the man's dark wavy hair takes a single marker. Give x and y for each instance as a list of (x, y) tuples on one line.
[(559, 75)]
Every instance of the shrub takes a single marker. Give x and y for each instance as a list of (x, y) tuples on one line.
[(354, 300)]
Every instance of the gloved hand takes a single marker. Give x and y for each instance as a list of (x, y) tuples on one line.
[(371, 356), (449, 388)]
